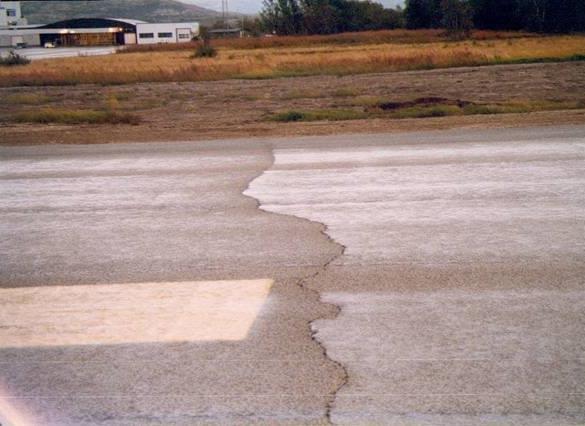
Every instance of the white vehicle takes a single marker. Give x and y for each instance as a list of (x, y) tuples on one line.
[(49, 45)]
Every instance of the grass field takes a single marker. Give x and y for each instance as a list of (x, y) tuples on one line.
[(301, 56), (355, 38)]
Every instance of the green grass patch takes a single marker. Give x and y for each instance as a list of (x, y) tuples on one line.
[(346, 92), (543, 60), (25, 99), (426, 111), (425, 108), (319, 115), (65, 116)]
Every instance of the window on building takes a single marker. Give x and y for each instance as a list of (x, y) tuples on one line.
[(11, 12), (165, 35), (146, 35), (184, 36)]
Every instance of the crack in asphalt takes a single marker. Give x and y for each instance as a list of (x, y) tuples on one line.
[(304, 284)]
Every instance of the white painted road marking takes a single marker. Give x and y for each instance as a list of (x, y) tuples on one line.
[(130, 313)]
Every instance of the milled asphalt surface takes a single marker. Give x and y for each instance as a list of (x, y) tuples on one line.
[(457, 259)]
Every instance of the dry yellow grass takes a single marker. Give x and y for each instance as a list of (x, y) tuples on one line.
[(291, 61), (350, 38)]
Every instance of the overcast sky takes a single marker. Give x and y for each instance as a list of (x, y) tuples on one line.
[(254, 6)]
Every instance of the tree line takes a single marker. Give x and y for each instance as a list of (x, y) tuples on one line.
[(287, 17), (554, 16)]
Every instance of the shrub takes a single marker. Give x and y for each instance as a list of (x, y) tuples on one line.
[(205, 51), (14, 59), (289, 116), (319, 115)]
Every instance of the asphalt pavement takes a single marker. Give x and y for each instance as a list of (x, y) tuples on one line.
[(422, 278), (37, 53)]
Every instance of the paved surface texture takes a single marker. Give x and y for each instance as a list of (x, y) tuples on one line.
[(36, 53), (461, 284), (425, 278), (77, 216)]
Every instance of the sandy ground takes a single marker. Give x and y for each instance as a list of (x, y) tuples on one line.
[(239, 108)]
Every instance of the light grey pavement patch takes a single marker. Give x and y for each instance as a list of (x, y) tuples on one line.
[(36, 53), (160, 213), (462, 282)]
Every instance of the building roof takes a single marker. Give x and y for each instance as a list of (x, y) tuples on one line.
[(129, 21), (127, 24)]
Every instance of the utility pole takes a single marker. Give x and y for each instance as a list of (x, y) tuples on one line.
[(225, 13)]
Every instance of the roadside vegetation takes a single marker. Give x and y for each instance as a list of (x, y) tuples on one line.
[(44, 113), (424, 108), (66, 116), (329, 57), (13, 59)]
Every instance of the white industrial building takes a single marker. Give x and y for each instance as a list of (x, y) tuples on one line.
[(11, 14), (15, 32)]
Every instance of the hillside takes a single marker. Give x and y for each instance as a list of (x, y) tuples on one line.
[(147, 10), (252, 7)]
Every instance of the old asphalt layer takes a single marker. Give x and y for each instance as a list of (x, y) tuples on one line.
[(424, 278)]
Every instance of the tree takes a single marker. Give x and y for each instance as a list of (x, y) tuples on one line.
[(252, 26), (326, 16), (368, 16), (423, 14), (457, 17), (291, 18), (320, 17), (497, 14), (269, 16), (563, 16), (283, 17)]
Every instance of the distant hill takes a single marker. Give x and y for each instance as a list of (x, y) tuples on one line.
[(254, 6), (38, 12)]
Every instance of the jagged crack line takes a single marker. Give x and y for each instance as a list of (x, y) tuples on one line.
[(304, 284)]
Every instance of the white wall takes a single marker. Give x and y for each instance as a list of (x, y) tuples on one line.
[(14, 8), (177, 32), (14, 37)]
